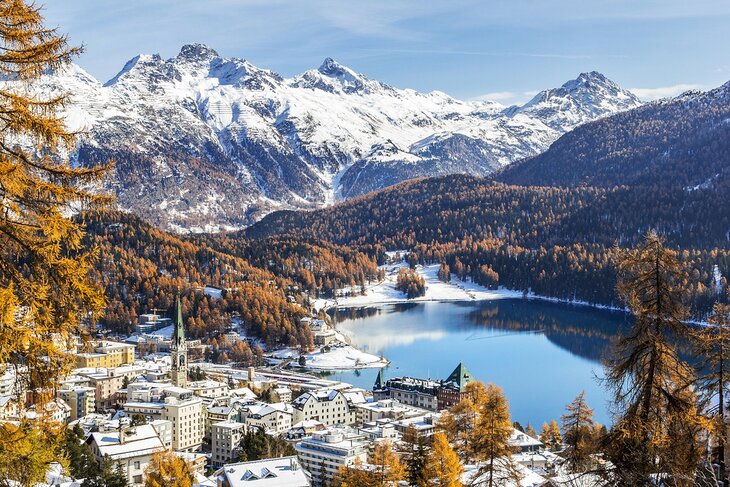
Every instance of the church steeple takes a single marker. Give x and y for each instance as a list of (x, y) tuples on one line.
[(178, 350), (178, 334)]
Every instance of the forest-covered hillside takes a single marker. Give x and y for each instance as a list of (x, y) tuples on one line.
[(552, 241)]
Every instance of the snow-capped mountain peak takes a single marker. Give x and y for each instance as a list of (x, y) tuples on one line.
[(204, 142), (334, 77), (589, 96), (197, 53)]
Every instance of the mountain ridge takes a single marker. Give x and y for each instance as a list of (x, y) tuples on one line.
[(206, 143)]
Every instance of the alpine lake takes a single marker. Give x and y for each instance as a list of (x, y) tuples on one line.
[(541, 353)]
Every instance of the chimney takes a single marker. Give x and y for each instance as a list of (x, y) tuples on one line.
[(121, 432), (251, 374)]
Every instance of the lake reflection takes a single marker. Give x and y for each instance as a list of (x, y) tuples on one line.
[(542, 354)]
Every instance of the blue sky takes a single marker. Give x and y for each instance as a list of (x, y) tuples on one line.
[(497, 49)]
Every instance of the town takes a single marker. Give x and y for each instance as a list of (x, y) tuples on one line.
[(460, 255), (131, 407)]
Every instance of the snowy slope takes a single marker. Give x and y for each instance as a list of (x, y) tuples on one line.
[(203, 142)]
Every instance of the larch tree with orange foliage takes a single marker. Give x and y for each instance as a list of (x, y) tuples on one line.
[(387, 467), (460, 422), (492, 433), (659, 428), (443, 468), (168, 470), (45, 291), (713, 346)]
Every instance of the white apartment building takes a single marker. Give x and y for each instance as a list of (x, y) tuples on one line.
[(132, 448), (225, 438), (216, 413), (385, 408), (209, 388), (326, 451), (11, 383), (272, 418), (329, 406), (164, 431), (175, 404)]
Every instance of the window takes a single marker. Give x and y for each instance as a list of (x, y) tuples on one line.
[(137, 479), (136, 465)]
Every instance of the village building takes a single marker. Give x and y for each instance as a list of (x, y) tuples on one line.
[(386, 408), (177, 405), (273, 472), (326, 451), (130, 447), (108, 381), (453, 389), (304, 428), (81, 401), (329, 406), (434, 395), (106, 354), (150, 322), (273, 418), (322, 332), (220, 413), (225, 439), (209, 389)]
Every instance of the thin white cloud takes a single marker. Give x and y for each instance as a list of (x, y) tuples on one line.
[(459, 52), (649, 94), (507, 97), (496, 96)]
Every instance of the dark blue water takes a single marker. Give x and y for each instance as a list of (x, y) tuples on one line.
[(542, 354)]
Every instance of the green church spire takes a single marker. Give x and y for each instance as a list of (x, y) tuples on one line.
[(178, 335)]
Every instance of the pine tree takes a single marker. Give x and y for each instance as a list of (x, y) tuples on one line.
[(79, 455), (658, 428), (415, 451), (492, 434), (713, 346), (105, 474), (578, 432), (443, 468), (168, 470)]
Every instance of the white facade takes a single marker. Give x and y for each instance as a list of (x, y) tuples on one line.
[(209, 388), (179, 406), (272, 418), (225, 438), (326, 451), (329, 406), (133, 449)]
